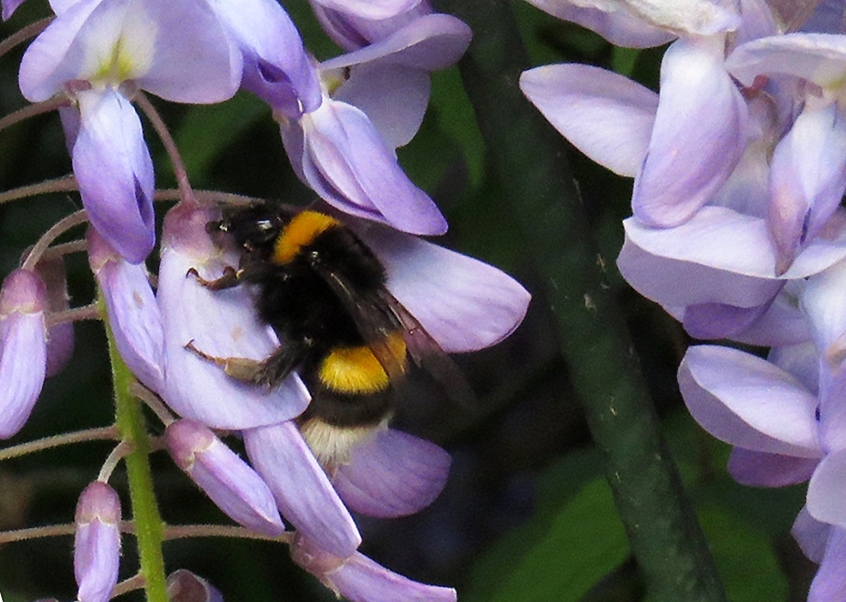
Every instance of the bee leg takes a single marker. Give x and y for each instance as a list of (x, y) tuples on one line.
[(268, 371), (231, 278)]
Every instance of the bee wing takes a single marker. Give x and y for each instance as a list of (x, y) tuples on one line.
[(375, 322), (428, 354)]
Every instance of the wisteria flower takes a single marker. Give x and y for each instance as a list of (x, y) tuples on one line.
[(352, 30), (344, 149), (222, 323), (23, 347), (96, 551), (277, 68), (98, 52), (134, 315), (360, 579)]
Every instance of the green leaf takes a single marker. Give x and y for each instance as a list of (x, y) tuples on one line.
[(573, 541)]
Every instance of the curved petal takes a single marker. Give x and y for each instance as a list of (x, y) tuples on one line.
[(463, 303), (431, 42), (57, 55), (228, 481), (392, 474), (830, 581), (818, 57), (719, 256), (301, 488), (827, 489), (760, 469), (807, 180), (351, 32), (746, 401), (96, 554), (783, 323), (719, 321), (699, 135), (134, 315), (811, 535), (276, 66), (360, 579), (614, 22), (605, 115), (823, 301), (221, 323), (393, 97), (115, 173), (350, 155), (370, 9), (23, 348)]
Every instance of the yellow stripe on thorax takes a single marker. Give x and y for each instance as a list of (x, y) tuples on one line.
[(300, 231), (356, 371)]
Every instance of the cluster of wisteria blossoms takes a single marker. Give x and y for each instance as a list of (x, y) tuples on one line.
[(739, 166), (340, 121)]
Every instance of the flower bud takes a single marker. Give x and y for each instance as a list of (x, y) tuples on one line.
[(96, 553), (185, 586), (229, 481), (23, 348)]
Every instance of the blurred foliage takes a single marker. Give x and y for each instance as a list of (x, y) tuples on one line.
[(525, 516)]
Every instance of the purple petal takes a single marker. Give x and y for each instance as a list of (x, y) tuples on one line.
[(807, 180), (746, 401), (185, 586), (605, 115), (719, 256), (360, 579), (96, 553), (115, 173), (358, 174), (57, 55), (23, 348), (783, 323), (827, 488), (229, 481), (801, 361), (823, 302), (351, 32), (134, 315), (392, 474), (719, 321), (811, 535), (613, 21), (699, 135), (431, 42), (9, 7), (221, 323), (473, 305), (301, 488), (393, 97), (832, 410), (818, 57), (276, 66), (91, 41), (760, 469), (830, 582), (370, 9)]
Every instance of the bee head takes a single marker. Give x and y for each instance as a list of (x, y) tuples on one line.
[(254, 228)]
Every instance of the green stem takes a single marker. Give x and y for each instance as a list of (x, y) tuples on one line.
[(529, 155), (149, 529)]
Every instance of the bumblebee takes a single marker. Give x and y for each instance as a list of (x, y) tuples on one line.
[(323, 291)]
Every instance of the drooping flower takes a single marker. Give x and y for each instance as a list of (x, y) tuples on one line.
[(134, 315), (23, 347), (353, 30), (98, 52), (277, 68), (360, 579), (373, 102), (185, 586), (224, 476), (96, 553)]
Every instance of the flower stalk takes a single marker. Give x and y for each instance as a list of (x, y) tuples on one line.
[(662, 528), (149, 529)]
